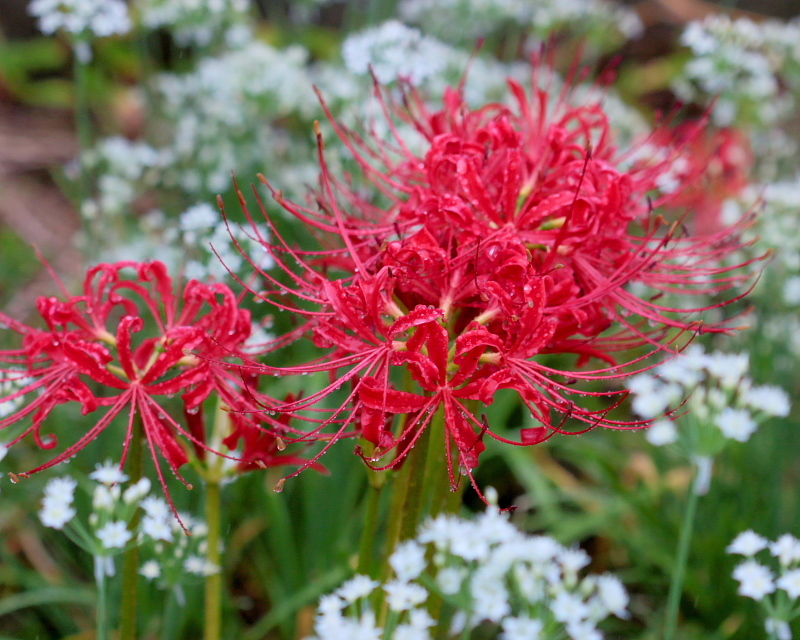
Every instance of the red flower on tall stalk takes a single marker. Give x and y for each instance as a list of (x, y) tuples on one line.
[(515, 236), (128, 341)]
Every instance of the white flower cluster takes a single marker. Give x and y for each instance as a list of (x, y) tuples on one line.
[(209, 245), (721, 400), (99, 18), (760, 582), (486, 571), (393, 50), (445, 18), (110, 532), (775, 229), (125, 169), (220, 112), (170, 555), (193, 21), (737, 62), (112, 509)]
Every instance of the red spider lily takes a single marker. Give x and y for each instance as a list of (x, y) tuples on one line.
[(516, 235), (129, 339), (711, 167)]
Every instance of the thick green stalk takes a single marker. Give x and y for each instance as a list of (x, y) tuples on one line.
[(214, 474), (130, 562), (678, 575), (366, 550), (439, 494), (407, 486), (213, 608)]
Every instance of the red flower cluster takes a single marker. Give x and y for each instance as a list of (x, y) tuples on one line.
[(129, 339), (515, 236)]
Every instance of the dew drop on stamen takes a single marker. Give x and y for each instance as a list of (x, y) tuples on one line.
[(279, 486)]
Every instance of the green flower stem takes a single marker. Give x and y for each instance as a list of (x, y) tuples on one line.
[(678, 575), (407, 490), (440, 496), (130, 562), (366, 549), (436, 486), (170, 617), (213, 608), (102, 598), (214, 475)]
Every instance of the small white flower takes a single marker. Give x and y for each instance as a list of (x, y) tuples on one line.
[(331, 604), (729, 368), (642, 384), (357, 587), (786, 549), (612, 595), (102, 498), (420, 619), (681, 370), (790, 583), (60, 489), (661, 432), (114, 535), (108, 473), (755, 580), (408, 560), (747, 543), (569, 608), (150, 570), (450, 580), (137, 491), (583, 631), (658, 401), (573, 560), (542, 548), (490, 597), (771, 400), (56, 514), (736, 424), (157, 528), (522, 628), (403, 596), (156, 507), (200, 566), (780, 628)]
